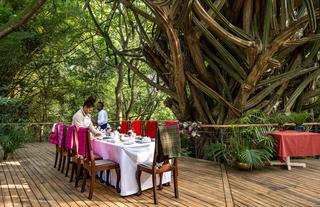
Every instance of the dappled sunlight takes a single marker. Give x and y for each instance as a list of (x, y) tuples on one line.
[(14, 163), (13, 186)]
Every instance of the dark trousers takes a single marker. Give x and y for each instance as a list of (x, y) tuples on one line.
[(104, 126)]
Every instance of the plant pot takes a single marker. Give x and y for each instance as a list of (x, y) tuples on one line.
[(281, 127), (299, 128), (244, 166)]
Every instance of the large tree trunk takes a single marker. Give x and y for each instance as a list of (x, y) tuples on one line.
[(213, 69)]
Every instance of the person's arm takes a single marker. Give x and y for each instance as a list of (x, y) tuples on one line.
[(94, 130)]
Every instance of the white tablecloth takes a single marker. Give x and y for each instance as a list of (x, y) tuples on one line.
[(128, 157)]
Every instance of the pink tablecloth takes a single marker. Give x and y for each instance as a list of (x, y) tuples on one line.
[(296, 144)]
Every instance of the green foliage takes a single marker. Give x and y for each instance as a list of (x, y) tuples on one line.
[(12, 137), (297, 118), (251, 145)]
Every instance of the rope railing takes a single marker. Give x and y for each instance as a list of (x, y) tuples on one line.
[(202, 125), (41, 130)]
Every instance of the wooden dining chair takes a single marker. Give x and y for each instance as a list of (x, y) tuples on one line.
[(77, 159), (64, 152), (166, 153), (60, 146), (93, 166), (124, 127), (136, 126), (54, 140), (70, 140), (151, 129)]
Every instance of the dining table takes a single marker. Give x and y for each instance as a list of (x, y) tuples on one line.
[(291, 143), (128, 155)]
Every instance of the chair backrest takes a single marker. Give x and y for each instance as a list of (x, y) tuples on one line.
[(61, 135), (82, 141), (168, 143), (124, 127), (151, 129), (71, 136), (54, 134), (171, 123), (136, 126), (89, 150)]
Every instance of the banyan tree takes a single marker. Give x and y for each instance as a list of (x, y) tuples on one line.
[(217, 59)]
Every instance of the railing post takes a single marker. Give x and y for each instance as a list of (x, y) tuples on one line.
[(41, 133)]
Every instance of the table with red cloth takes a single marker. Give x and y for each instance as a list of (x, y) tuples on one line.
[(296, 144)]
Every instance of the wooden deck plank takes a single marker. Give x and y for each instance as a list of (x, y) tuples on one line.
[(10, 192), (31, 180), (17, 184)]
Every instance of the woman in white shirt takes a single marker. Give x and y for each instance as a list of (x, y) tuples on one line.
[(83, 117)]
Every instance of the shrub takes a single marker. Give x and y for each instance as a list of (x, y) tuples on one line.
[(12, 137), (250, 145)]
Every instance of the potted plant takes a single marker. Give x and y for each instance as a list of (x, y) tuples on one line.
[(280, 119), (253, 147), (299, 119), (248, 148)]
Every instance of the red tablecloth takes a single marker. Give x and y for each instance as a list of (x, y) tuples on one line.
[(293, 143)]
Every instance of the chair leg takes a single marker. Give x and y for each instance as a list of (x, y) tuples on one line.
[(92, 184), (84, 180), (108, 178), (72, 171), (138, 177), (154, 187), (175, 180), (160, 182), (118, 179), (60, 161), (68, 163), (100, 177), (77, 175), (63, 163), (56, 159)]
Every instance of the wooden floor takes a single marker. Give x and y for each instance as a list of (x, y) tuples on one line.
[(30, 180)]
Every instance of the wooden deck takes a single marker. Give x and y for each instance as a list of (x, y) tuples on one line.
[(31, 180)]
